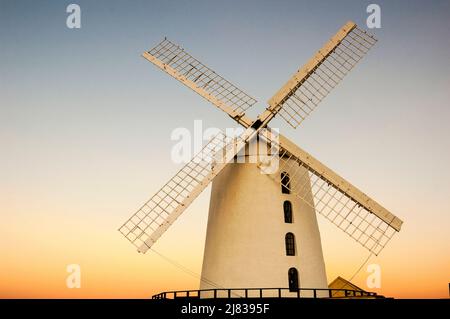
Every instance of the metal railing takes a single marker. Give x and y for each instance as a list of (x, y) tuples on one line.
[(266, 293)]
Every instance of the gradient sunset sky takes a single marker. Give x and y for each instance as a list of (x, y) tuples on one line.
[(85, 127)]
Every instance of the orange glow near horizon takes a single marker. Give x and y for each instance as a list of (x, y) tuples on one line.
[(35, 260)]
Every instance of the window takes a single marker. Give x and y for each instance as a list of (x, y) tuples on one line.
[(285, 183), (293, 279), (290, 244), (287, 207)]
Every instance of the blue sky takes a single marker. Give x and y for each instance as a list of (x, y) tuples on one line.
[(88, 90)]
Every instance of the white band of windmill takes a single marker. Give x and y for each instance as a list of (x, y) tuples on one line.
[(343, 204)]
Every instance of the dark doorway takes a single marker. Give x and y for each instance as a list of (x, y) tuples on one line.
[(293, 279)]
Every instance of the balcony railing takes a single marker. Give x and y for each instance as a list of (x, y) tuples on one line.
[(266, 293)]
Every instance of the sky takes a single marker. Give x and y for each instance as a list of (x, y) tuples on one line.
[(85, 127)]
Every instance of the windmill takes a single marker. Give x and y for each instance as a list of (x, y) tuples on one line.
[(262, 228)]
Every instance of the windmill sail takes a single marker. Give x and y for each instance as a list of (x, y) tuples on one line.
[(175, 61), (352, 211), (312, 83), (151, 220)]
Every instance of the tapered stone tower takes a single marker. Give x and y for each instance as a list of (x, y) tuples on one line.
[(260, 235)]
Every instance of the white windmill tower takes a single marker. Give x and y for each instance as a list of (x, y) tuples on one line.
[(262, 228)]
